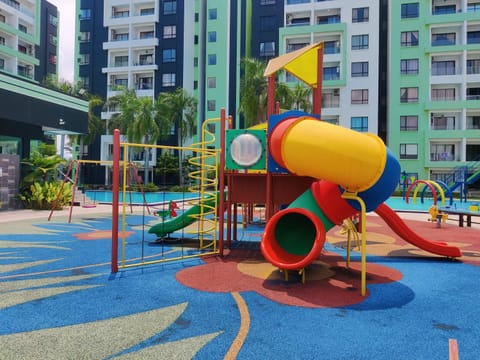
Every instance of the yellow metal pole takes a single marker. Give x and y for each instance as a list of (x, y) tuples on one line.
[(353, 196)]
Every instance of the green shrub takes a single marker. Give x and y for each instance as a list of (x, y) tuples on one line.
[(43, 196)]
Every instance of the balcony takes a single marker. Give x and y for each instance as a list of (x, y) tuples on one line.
[(473, 66), (445, 39)]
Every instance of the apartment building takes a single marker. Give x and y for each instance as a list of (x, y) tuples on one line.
[(136, 45), (353, 76), (30, 113), (434, 85)]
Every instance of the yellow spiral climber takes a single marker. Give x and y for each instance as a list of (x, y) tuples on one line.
[(205, 181)]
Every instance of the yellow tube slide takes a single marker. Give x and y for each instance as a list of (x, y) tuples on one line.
[(308, 147)]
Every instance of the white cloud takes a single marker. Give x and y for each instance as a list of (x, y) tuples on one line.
[(66, 37)]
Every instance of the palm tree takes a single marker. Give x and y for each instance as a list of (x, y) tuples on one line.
[(284, 95), (253, 92), (301, 97), (176, 109), (135, 119)]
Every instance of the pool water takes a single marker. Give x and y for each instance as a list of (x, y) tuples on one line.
[(136, 197), (399, 204)]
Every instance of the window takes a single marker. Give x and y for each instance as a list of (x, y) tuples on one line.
[(409, 11), (359, 123), (409, 38), (293, 47), (267, 49), (2, 64), (116, 13), (212, 14), (195, 61), (409, 123), (473, 7), (359, 42), (360, 15), (443, 39), (147, 11), (212, 59), (84, 59), (84, 36), (442, 152), (85, 14), (22, 49), (2, 40), (268, 23), (22, 28), (409, 95), (473, 122), (169, 7), (408, 151), (147, 34), (324, 20), (444, 9), (120, 37), (168, 80), (360, 69), (360, 96), (211, 105), (85, 81), (331, 98), (52, 39), (169, 31), (331, 47), (473, 93), (3, 19), (331, 73), (443, 94), (212, 82), (121, 60), (212, 36), (473, 37), (120, 83), (443, 67), (145, 59), (145, 83), (442, 122), (268, 2), (299, 21), (473, 66), (169, 55), (53, 20), (409, 66), (472, 152)]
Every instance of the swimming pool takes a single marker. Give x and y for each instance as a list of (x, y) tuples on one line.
[(399, 204), (136, 197)]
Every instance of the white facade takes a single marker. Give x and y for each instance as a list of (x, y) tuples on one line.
[(350, 31), (19, 33)]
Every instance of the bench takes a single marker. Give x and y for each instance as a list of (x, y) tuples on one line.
[(464, 217)]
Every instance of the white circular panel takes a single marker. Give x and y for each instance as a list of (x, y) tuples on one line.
[(246, 150)]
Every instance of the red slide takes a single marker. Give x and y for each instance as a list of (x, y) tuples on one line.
[(401, 229)]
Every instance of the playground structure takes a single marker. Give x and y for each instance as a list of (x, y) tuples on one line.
[(292, 166), (355, 176)]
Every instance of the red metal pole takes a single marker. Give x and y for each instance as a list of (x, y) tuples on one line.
[(317, 92), (221, 174), (271, 95), (115, 188)]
